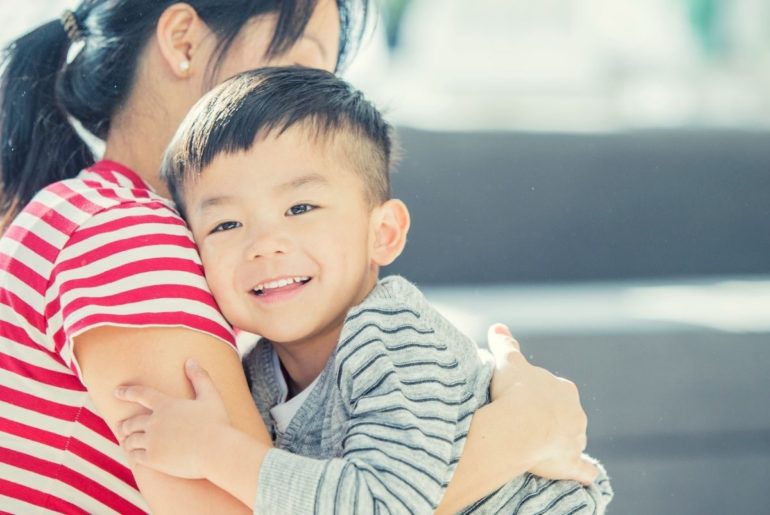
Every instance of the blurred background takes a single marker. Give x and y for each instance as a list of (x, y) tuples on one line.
[(595, 174), (576, 65)]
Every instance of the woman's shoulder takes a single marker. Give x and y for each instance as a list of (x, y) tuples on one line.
[(99, 191), (107, 185), (99, 200)]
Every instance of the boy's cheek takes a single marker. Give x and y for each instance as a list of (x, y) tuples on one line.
[(224, 294), (213, 270), (213, 273), (209, 254)]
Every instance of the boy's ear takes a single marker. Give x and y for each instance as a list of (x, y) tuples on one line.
[(180, 33), (391, 224)]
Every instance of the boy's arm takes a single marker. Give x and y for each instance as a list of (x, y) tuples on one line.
[(109, 355), (404, 406), (397, 448), (524, 494), (192, 439)]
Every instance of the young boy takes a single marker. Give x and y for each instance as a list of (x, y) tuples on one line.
[(282, 175)]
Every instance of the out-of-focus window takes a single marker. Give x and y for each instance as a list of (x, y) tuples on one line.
[(579, 65)]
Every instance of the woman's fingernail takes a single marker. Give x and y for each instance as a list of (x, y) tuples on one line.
[(191, 363), (120, 391), (502, 329)]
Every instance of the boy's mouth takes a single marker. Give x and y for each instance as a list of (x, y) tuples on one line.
[(286, 283)]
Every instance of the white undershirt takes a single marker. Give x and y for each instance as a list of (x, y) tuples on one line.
[(284, 411)]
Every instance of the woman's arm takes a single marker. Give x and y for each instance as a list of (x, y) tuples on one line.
[(534, 423), (111, 356)]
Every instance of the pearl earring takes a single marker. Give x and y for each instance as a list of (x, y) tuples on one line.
[(184, 66)]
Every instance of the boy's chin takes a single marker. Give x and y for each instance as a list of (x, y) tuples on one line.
[(289, 334), (283, 336)]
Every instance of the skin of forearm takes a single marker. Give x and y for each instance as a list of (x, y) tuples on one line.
[(232, 462), (494, 454)]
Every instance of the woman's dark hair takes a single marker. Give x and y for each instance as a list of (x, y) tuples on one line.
[(39, 90)]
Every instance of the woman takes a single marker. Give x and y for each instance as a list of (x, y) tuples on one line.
[(101, 284)]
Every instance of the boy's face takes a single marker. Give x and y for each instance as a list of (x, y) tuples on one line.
[(285, 234)]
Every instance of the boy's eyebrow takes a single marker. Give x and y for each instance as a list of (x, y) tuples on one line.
[(209, 202), (298, 182)]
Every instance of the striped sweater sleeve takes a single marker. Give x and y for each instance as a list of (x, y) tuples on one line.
[(406, 395), (132, 265), (532, 495)]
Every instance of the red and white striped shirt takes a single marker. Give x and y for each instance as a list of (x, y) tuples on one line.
[(100, 249)]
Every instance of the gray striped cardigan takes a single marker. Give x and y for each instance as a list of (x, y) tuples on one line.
[(383, 428)]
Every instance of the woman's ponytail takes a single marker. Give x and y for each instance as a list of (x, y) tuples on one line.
[(39, 146)]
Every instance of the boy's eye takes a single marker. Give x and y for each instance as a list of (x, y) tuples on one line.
[(226, 226), (299, 209)]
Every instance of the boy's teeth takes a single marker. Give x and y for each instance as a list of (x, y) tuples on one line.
[(280, 283)]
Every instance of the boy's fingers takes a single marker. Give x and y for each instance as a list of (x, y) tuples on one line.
[(200, 379), (133, 425), (135, 441), (143, 395), (138, 456)]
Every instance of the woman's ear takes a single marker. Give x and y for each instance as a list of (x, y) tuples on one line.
[(180, 33), (391, 225)]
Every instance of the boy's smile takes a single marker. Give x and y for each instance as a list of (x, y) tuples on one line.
[(270, 290), (285, 234)]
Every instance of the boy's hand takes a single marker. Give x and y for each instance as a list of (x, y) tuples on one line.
[(173, 437), (548, 404)]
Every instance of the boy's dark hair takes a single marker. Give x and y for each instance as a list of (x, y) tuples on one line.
[(269, 101), (39, 89)]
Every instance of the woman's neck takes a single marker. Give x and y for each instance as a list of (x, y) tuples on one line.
[(144, 126), (138, 142)]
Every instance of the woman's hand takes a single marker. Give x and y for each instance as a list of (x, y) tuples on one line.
[(176, 433), (534, 424), (547, 404)]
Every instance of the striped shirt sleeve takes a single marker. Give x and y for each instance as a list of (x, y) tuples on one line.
[(406, 396), (132, 265)]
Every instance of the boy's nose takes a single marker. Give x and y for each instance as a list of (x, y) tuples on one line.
[(267, 243)]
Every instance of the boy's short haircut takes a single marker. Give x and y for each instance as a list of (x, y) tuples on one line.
[(269, 101)]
